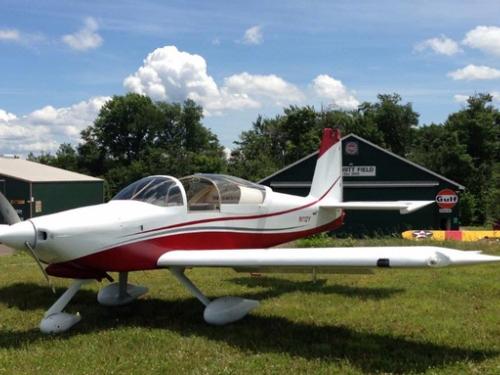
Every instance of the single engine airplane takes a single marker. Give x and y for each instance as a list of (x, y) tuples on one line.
[(206, 220)]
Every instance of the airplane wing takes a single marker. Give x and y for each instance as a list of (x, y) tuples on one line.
[(355, 257), (404, 207)]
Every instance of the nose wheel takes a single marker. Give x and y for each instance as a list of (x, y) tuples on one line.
[(57, 321)]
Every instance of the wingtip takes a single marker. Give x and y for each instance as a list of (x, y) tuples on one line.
[(459, 258)]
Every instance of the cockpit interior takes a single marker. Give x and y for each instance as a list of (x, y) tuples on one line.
[(203, 191)]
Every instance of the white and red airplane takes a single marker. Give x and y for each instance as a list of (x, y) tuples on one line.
[(206, 220)]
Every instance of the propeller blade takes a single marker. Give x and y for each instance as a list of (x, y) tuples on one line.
[(28, 246), (8, 212)]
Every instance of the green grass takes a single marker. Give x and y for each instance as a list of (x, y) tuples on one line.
[(436, 321)]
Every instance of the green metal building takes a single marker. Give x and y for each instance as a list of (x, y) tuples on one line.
[(372, 173), (35, 189)]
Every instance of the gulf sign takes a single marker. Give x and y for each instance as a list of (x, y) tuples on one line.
[(446, 198)]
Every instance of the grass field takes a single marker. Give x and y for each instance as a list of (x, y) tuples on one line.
[(444, 321)]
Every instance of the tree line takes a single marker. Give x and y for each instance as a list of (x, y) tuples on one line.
[(133, 137)]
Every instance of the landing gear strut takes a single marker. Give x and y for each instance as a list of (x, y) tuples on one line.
[(220, 311), (56, 321), (120, 293)]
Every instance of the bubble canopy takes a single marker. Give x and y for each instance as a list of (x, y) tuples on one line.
[(202, 191), (161, 191)]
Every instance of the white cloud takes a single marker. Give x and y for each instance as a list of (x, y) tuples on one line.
[(460, 98), (334, 90), (22, 38), (166, 74), (269, 86), (10, 35), (475, 72), (253, 35), (170, 74), (173, 75), (6, 116), (484, 38), (441, 45), (86, 38), (46, 128)]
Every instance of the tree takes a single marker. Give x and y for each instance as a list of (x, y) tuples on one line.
[(133, 137), (125, 126), (275, 142), (300, 132), (394, 122), (65, 157), (92, 159), (442, 152), (43, 158), (258, 152), (477, 126), (466, 148)]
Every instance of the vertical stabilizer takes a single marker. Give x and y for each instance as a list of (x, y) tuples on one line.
[(327, 180)]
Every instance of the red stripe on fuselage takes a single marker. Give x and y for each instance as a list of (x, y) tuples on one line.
[(144, 255)]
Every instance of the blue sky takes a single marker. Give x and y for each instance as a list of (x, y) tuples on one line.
[(60, 61)]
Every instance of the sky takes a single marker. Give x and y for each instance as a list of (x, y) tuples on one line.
[(61, 61)]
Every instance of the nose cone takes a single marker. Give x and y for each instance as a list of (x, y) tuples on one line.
[(17, 235)]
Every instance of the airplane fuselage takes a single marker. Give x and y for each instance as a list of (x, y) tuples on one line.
[(128, 235)]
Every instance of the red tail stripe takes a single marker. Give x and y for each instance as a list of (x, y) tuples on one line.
[(330, 137)]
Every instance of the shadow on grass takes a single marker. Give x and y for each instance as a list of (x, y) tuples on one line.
[(277, 287), (369, 352)]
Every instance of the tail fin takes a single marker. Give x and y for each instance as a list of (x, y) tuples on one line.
[(327, 180)]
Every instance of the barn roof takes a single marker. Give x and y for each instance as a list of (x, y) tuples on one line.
[(351, 135), (35, 172)]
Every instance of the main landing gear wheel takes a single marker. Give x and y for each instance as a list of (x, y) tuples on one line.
[(220, 311), (120, 293)]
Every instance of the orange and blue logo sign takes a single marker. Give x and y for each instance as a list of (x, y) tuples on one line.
[(446, 198)]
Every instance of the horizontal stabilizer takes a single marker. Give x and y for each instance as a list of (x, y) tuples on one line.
[(401, 256), (404, 207)]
